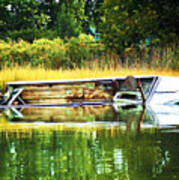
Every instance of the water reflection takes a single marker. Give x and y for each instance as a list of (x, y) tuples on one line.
[(107, 143)]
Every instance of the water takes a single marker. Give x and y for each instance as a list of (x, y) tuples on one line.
[(87, 143)]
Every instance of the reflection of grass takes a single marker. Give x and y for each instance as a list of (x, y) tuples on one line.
[(28, 73), (21, 130)]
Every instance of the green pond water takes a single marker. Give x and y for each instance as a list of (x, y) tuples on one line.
[(92, 143)]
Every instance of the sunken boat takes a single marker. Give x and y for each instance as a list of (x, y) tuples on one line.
[(131, 90)]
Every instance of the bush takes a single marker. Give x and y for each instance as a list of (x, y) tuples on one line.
[(14, 52), (48, 53), (83, 51), (29, 34), (54, 53)]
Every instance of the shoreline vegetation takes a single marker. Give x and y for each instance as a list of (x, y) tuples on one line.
[(28, 73), (83, 51), (87, 39), (81, 57)]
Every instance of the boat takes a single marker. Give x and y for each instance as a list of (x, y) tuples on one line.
[(130, 90)]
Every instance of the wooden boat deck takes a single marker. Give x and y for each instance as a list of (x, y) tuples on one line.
[(54, 92)]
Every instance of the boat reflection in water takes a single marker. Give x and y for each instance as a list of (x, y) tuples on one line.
[(89, 142), (157, 115)]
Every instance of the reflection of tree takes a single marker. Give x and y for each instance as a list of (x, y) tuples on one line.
[(169, 157), (98, 154), (92, 153)]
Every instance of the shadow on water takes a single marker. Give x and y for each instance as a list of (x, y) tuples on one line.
[(90, 142)]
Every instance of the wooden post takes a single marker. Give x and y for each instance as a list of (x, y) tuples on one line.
[(1, 97), (139, 85), (141, 119)]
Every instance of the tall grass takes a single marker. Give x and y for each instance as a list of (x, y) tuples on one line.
[(28, 73)]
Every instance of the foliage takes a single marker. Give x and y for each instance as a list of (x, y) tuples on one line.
[(55, 8), (54, 53), (48, 53), (83, 51), (30, 34), (62, 18), (92, 14), (127, 23), (163, 57), (22, 19), (121, 23), (67, 24), (18, 15)]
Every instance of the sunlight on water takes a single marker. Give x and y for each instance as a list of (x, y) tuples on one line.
[(112, 144)]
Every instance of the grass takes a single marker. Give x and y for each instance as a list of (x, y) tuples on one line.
[(28, 73)]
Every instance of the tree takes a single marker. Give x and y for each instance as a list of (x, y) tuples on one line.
[(30, 19), (67, 23), (92, 14), (127, 23), (69, 18), (21, 15)]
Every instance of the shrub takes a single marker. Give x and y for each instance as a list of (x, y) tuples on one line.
[(14, 52), (48, 53), (83, 51), (30, 34)]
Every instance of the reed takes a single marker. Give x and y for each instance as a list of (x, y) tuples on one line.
[(19, 73)]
